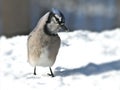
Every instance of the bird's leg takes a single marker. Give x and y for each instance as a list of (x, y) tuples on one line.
[(35, 70), (51, 73)]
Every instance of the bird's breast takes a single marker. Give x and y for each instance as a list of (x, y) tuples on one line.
[(44, 59)]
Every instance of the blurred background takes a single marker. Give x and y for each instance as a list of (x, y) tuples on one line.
[(21, 16)]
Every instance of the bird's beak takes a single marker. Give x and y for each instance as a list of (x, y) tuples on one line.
[(64, 28)]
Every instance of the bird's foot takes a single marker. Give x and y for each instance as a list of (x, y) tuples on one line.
[(52, 75)]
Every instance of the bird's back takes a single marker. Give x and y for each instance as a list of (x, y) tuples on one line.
[(39, 42)]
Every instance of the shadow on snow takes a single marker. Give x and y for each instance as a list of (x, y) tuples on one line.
[(90, 69)]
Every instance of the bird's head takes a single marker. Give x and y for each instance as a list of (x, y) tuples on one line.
[(56, 21)]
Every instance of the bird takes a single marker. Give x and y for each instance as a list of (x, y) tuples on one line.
[(43, 42)]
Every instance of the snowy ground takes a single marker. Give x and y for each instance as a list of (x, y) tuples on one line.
[(86, 61)]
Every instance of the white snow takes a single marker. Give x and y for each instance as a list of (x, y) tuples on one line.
[(86, 61)]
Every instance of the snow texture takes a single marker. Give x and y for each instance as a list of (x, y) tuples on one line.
[(86, 61)]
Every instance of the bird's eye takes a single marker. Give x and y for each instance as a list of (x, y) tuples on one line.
[(57, 19)]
